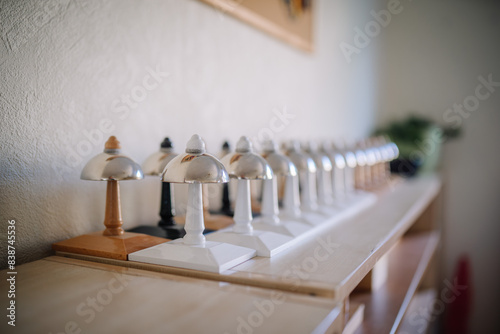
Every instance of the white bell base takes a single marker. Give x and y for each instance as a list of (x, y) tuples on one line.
[(328, 210), (341, 203), (307, 217), (352, 198), (358, 196), (291, 228), (225, 249), (214, 257), (266, 243), (356, 203)]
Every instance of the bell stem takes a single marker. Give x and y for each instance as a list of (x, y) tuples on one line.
[(308, 191), (167, 212), (194, 216), (338, 183), (291, 200), (269, 211), (242, 210), (349, 177), (226, 202), (113, 216), (324, 184)]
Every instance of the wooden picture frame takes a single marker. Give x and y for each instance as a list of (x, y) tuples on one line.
[(288, 20)]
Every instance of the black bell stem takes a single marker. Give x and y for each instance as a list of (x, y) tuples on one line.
[(167, 210)]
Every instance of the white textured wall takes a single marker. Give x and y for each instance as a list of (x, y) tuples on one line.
[(67, 67), (434, 52)]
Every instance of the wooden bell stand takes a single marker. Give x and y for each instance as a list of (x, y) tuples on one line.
[(113, 242)]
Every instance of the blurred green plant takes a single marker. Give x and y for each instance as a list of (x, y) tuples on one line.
[(419, 139), (414, 129)]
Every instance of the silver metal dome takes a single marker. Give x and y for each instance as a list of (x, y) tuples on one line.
[(111, 165), (195, 166), (320, 158), (336, 158), (155, 164), (245, 164), (301, 160), (279, 163)]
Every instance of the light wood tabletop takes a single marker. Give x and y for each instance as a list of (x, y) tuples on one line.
[(62, 295)]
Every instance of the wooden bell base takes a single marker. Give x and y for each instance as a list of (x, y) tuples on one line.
[(112, 247)]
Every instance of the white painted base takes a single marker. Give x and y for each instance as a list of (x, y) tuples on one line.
[(313, 218), (358, 195), (214, 257), (266, 243), (350, 206), (341, 203), (226, 249), (328, 211), (357, 203), (291, 228)]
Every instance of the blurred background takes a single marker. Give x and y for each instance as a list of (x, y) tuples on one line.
[(75, 72)]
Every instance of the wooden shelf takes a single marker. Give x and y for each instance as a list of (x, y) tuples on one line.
[(385, 307), (413, 320), (316, 278), (354, 319), (333, 262), (57, 295)]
